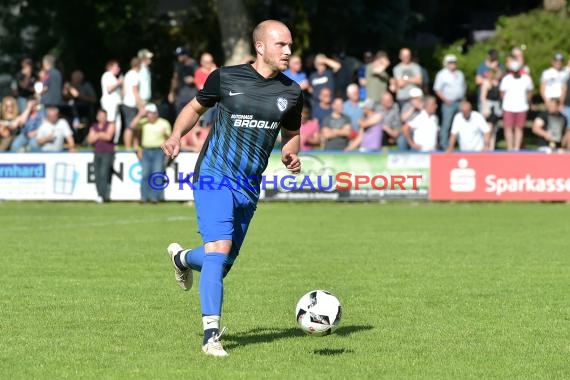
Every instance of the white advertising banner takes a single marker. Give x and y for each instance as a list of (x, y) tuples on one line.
[(70, 176)]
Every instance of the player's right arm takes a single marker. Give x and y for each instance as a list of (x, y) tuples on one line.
[(207, 97)]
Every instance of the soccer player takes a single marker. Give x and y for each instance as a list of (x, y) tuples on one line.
[(256, 102)]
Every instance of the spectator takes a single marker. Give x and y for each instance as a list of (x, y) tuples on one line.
[(490, 64), (408, 75), (471, 128), (422, 127), (53, 132), (323, 108), (9, 122), (145, 78), (376, 76), (392, 124), (182, 86), (450, 88), (310, 135), (207, 65), (369, 138), (25, 81), (154, 132), (345, 75), (111, 95), (553, 80), (566, 98), (132, 101), (336, 128), (551, 127), (490, 102), (295, 73), (323, 76), (52, 82), (516, 91), (31, 118), (351, 107), (101, 136), (81, 98), (518, 55), (367, 58), (194, 140)]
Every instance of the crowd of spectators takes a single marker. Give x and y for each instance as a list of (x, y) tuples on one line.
[(350, 105)]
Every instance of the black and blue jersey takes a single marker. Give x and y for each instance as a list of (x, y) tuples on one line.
[(252, 109)]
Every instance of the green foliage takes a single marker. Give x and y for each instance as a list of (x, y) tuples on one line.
[(539, 33)]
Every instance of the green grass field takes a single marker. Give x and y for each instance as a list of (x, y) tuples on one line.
[(436, 291)]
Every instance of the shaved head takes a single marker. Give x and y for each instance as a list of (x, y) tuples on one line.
[(272, 41), (264, 27)]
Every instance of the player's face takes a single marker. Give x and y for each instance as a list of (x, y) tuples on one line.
[(278, 48)]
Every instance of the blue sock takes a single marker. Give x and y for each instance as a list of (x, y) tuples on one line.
[(194, 258), (211, 285)]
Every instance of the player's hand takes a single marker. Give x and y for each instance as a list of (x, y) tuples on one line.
[(171, 147), (291, 162)]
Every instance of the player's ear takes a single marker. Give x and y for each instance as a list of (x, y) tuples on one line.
[(259, 47)]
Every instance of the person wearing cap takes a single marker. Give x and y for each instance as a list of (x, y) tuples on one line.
[(145, 80), (449, 86), (182, 86), (553, 80), (154, 132)]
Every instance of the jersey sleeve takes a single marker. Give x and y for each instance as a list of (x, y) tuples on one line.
[(292, 120), (210, 94)]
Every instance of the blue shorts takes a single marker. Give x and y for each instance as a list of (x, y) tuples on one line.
[(223, 214)]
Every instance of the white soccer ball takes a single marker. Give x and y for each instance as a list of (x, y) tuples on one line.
[(318, 312)]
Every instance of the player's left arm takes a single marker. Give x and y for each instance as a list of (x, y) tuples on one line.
[(291, 138)]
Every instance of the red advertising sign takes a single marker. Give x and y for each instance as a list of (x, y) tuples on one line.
[(500, 176)]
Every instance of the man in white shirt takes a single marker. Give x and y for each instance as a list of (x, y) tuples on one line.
[(553, 80), (145, 87), (52, 133), (421, 130), (471, 129), (131, 100), (111, 95)]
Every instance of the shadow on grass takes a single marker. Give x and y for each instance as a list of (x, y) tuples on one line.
[(332, 351), (267, 335)]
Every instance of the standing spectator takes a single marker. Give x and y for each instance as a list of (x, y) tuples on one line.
[(490, 102), (207, 65), (450, 88), (392, 125), (31, 118), (101, 136), (377, 77), (351, 107), (81, 98), (421, 130), (367, 58), (551, 127), (323, 108), (345, 75), (145, 78), (518, 55), (111, 95), (154, 132), (25, 81), (296, 73), (553, 80), (53, 132), (490, 64), (471, 128), (9, 122), (309, 134), (182, 86), (323, 76), (132, 101), (408, 75), (336, 128), (516, 90), (369, 138), (566, 99), (52, 82)]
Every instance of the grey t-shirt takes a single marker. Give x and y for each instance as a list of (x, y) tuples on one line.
[(54, 85), (391, 116), (410, 70), (336, 143)]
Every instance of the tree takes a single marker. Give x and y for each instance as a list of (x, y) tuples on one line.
[(554, 5), (235, 28)]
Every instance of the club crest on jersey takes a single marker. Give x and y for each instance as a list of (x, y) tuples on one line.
[(281, 104)]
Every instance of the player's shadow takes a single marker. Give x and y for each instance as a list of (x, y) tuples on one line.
[(267, 335)]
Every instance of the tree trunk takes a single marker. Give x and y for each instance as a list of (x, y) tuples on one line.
[(235, 28), (554, 5)]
